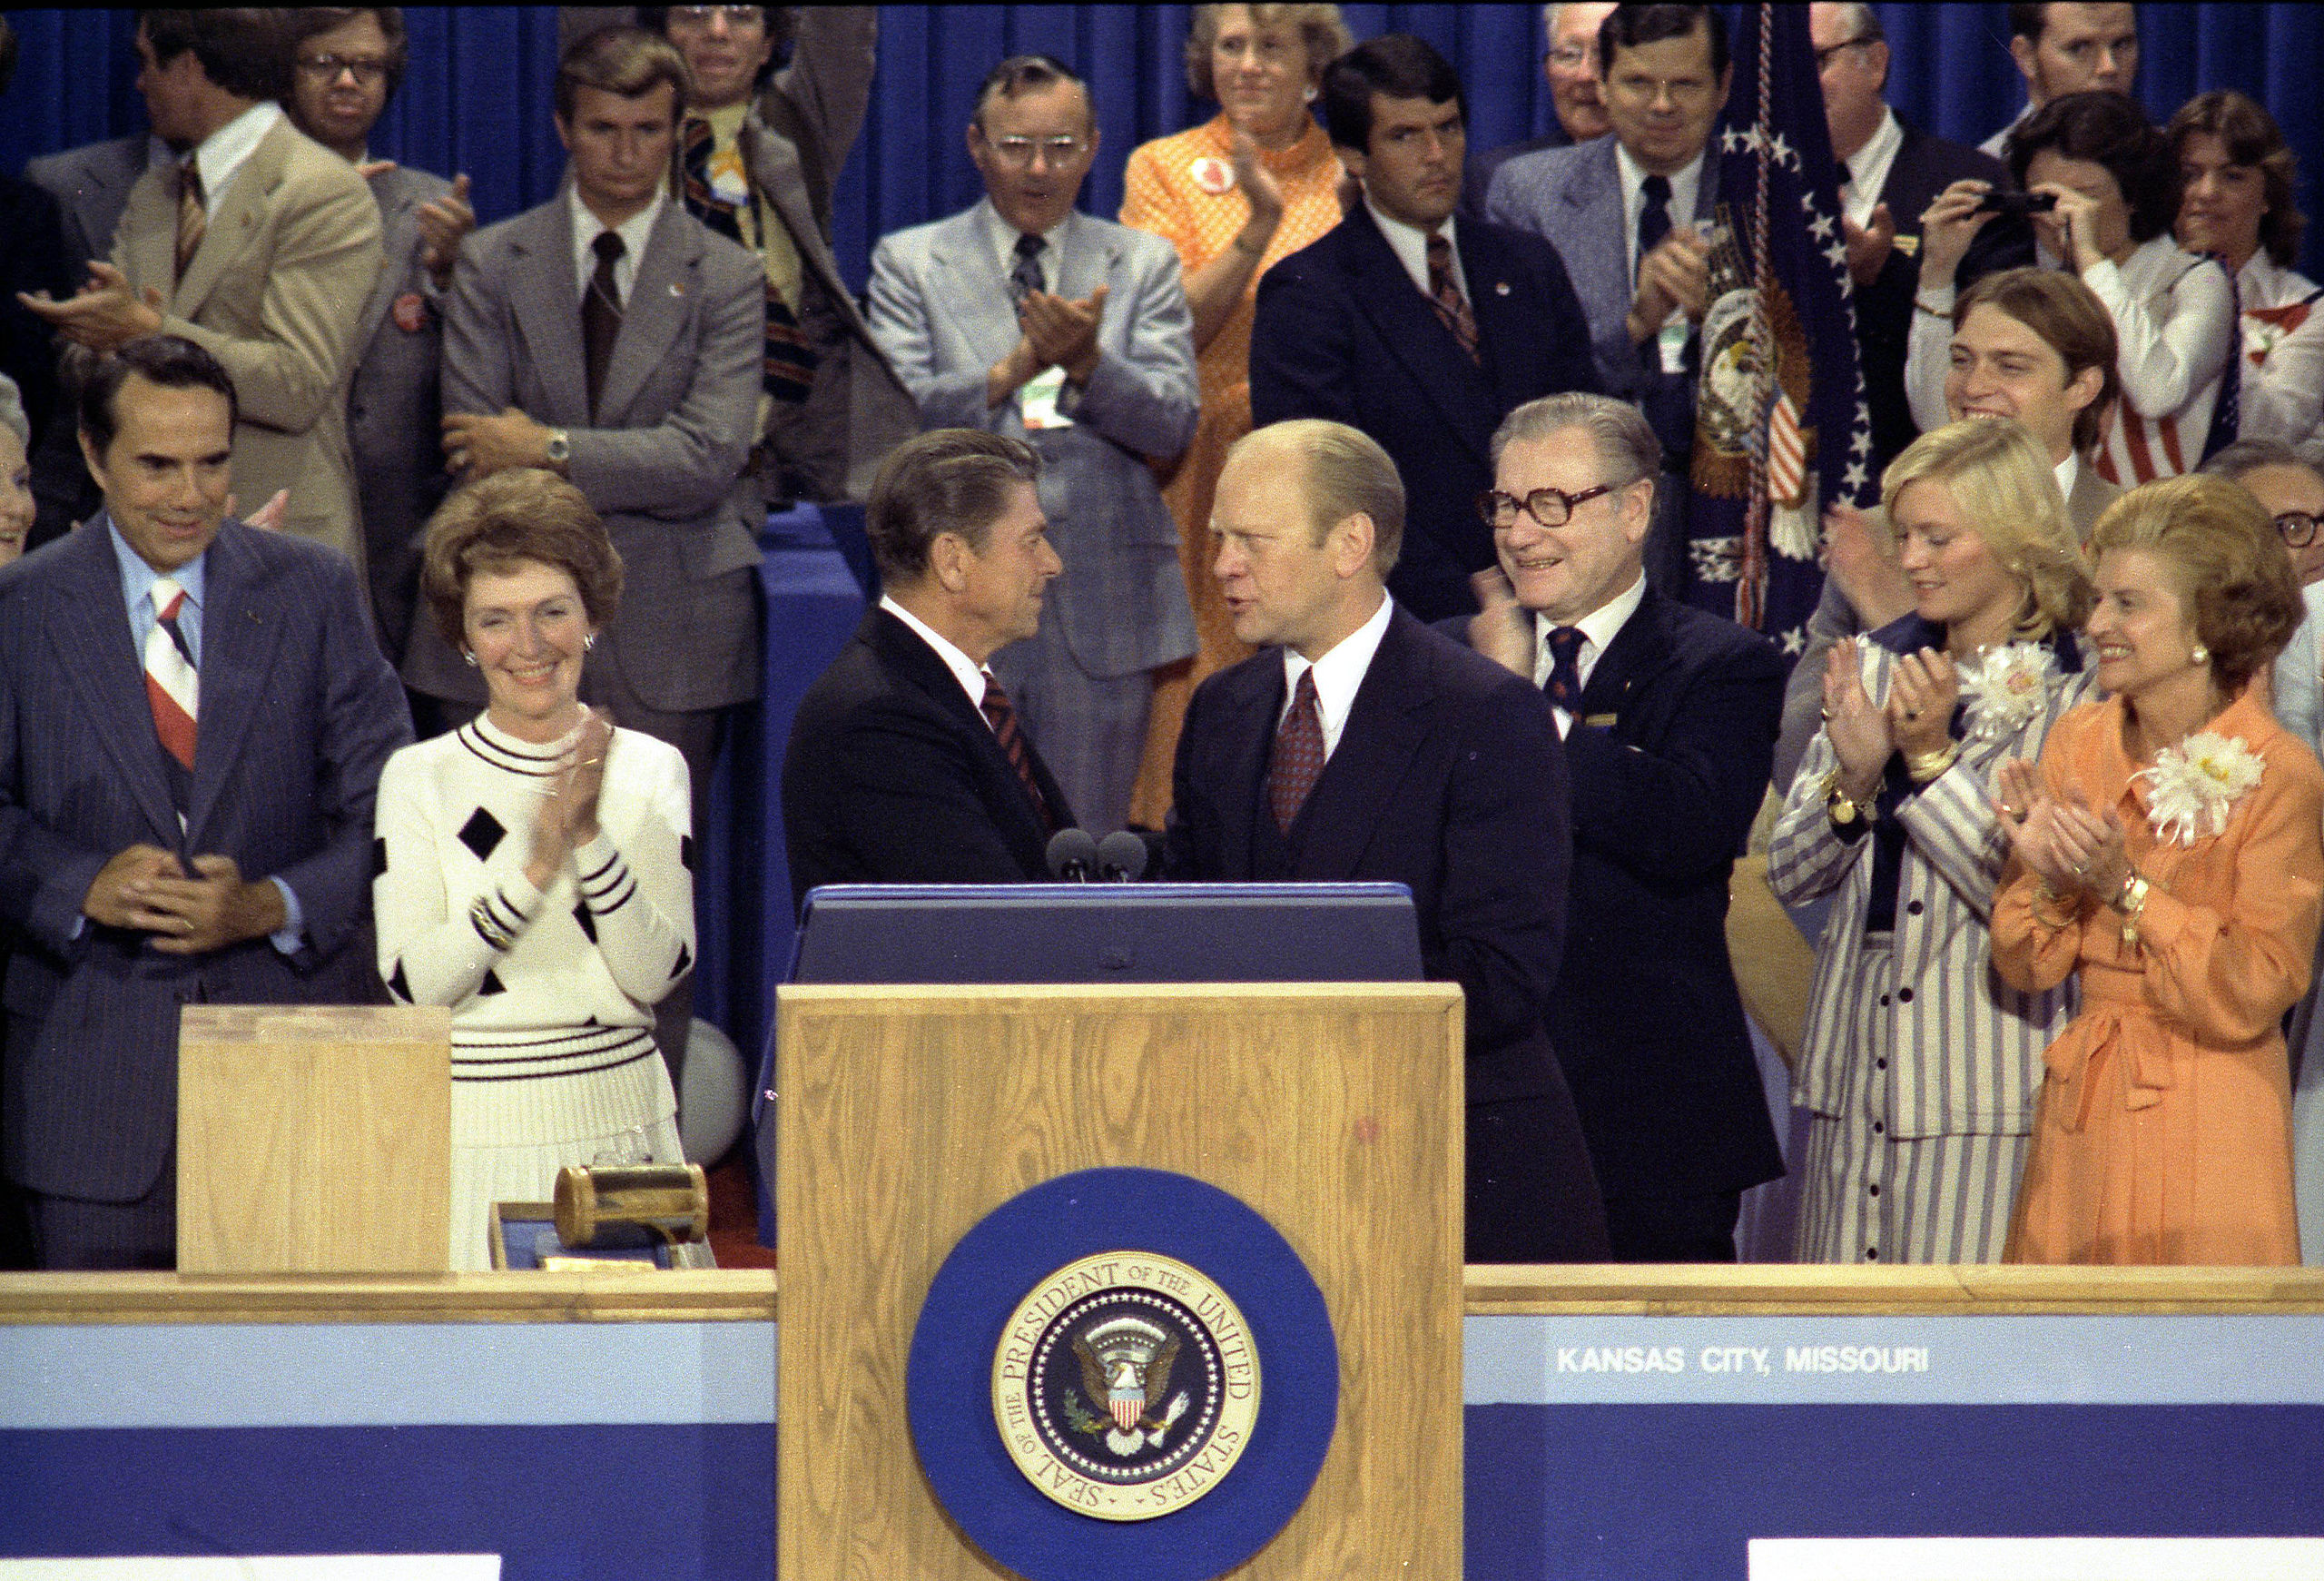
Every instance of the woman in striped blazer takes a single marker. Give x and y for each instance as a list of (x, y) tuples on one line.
[(1919, 1065)]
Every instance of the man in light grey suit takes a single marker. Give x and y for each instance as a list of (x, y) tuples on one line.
[(344, 65), (760, 171), (645, 397), (1627, 211), (1025, 317)]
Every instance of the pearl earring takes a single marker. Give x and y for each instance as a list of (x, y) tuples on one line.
[(1308, 94), (469, 656), (2198, 656), (590, 642)]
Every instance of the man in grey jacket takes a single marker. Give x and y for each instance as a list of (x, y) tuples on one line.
[(1025, 317)]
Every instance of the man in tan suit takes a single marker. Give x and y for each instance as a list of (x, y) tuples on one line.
[(261, 248)]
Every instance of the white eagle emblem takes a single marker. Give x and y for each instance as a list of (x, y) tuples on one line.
[(1125, 1363)]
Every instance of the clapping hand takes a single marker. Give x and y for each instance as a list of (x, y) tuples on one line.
[(1859, 730), (1922, 689), (566, 819)]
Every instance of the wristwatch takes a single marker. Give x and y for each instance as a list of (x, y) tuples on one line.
[(560, 449)]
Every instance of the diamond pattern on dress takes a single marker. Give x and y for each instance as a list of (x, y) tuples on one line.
[(481, 833)]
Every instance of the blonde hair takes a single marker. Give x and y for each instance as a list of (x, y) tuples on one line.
[(1347, 474), (2233, 573), (1321, 31), (2004, 488)]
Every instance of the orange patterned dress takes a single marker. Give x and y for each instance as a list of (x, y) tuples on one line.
[(1181, 189), (2164, 1133)]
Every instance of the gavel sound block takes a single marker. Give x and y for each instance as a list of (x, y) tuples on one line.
[(314, 1139)]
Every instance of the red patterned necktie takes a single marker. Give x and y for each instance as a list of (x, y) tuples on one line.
[(1002, 717), (1298, 754), (1445, 292), (172, 685)]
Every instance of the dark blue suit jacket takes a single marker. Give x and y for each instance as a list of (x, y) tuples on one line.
[(1448, 779), (1669, 762), (892, 777), (1343, 332), (299, 713)]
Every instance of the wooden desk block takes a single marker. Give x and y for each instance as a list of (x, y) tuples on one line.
[(314, 1139)]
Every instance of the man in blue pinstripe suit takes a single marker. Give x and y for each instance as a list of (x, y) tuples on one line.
[(192, 720)]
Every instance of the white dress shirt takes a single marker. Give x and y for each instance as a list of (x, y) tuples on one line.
[(1338, 674), (634, 232), (1868, 171), (1597, 630), (1409, 244), (965, 670), (1684, 186), (221, 156)]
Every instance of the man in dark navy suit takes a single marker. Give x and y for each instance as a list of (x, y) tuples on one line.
[(1362, 745), (1889, 174), (1669, 715), (1419, 327), (907, 764), (193, 721)]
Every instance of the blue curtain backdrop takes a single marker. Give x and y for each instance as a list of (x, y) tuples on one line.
[(477, 96)]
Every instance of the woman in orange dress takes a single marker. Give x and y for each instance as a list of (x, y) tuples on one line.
[(1254, 183), (2169, 848)]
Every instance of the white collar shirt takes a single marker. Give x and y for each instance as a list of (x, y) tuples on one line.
[(1339, 674), (1003, 237), (1684, 187), (1598, 630), (2068, 473), (1868, 172), (966, 670), (221, 156), (1409, 244), (633, 232)]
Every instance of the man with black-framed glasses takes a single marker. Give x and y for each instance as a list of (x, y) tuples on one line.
[(2289, 486), (1668, 714)]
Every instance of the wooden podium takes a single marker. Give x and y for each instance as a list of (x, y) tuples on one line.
[(908, 1113), (314, 1139)]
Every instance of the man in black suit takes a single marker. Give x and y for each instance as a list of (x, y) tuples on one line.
[(1669, 715), (906, 763), (1361, 745), (1418, 328), (1889, 174)]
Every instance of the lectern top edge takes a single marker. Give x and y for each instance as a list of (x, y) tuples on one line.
[(1377, 995)]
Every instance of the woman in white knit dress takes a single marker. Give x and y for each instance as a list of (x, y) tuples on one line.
[(532, 864), (1918, 1066)]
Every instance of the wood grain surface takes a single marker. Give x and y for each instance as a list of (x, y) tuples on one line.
[(314, 1139), (910, 1114)]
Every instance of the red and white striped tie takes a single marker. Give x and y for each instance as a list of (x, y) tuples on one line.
[(172, 685)]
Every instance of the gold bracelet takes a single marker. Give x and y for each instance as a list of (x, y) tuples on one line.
[(1926, 766), (2131, 901), (1843, 808)]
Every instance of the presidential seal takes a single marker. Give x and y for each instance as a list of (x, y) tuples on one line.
[(1125, 1385)]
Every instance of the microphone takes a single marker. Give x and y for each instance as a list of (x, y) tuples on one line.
[(1072, 854), (1121, 857)]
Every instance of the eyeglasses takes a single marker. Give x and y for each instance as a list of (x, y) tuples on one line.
[(1824, 55), (325, 68), (1570, 57), (2298, 529), (704, 15), (1550, 507), (1017, 151)]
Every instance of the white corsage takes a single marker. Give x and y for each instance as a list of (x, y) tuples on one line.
[(2193, 787), (2003, 688)]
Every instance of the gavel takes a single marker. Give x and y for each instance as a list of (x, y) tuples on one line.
[(617, 1207)]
